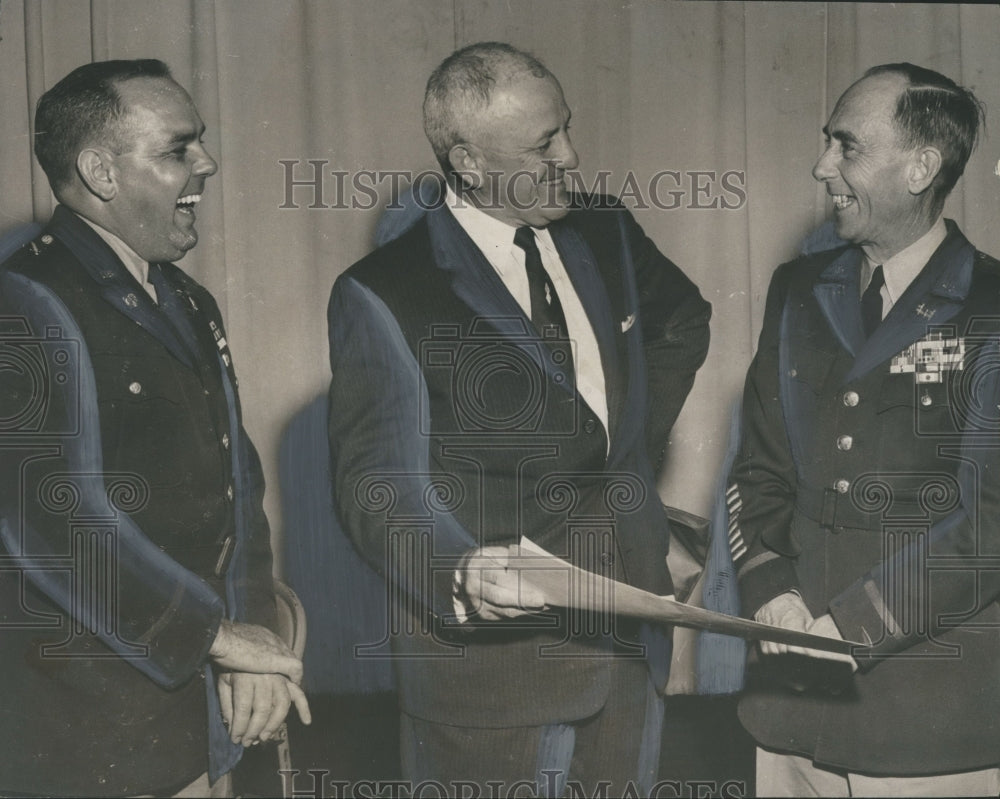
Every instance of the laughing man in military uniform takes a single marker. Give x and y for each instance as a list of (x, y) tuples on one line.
[(865, 495), (130, 494)]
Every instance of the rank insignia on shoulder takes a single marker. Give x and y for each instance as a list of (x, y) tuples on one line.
[(929, 358)]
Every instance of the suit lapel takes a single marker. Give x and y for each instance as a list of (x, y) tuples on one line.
[(934, 297), (837, 292), (117, 285), (476, 283)]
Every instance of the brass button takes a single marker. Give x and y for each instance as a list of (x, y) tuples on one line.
[(135, 388), (793, 372), (225, 440), (229, 493), (851, 398), (844, 443), (46, 239), (926, 400), (589, 426), (842, 486)]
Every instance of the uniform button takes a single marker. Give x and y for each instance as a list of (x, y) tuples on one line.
[(793, 372), (46, 239), (229, 493), (607, 559), (926, 400), (844, 443), (842, 486), (851, 399), (589, 426), (225, 440), (205, 390), (131, 300), (135, 388)]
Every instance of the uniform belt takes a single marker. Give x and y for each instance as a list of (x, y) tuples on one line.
[(837, 511)]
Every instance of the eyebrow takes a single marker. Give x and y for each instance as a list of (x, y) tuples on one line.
[(843, 136), (186, 136), (550, 133)]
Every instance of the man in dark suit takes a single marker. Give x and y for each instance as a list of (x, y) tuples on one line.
[(490, 372), (135, 559), (865, 494)]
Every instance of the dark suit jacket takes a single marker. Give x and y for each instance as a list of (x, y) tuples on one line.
[(452, 426), (124, 469), (872, 490)]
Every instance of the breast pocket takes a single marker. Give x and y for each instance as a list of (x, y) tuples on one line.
[(922, 408), (810, 368), (145, 416)]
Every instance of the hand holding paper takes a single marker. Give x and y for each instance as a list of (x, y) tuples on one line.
[(789, 611), (548, 580)]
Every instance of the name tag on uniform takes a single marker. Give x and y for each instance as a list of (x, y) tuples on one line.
[(929, 358)]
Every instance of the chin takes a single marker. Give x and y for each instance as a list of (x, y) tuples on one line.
[(842, 229), (551, 214), (181, 248)]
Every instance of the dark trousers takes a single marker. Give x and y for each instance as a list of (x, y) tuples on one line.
[(617, 746)]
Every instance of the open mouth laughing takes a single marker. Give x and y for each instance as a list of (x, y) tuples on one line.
[(187, 203)]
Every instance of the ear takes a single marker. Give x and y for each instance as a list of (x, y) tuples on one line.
[(924, 167), (95, 165), (464, 160)]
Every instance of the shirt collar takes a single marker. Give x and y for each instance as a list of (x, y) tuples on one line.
[(905, 265), (487, 232), (137, 266)]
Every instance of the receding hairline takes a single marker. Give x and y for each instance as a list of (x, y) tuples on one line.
[(465, 85)]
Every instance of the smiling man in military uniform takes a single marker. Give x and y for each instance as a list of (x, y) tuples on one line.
[(130, 495), (865, 494)]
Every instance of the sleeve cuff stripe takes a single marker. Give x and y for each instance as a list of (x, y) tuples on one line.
[(875, 596), (757, 560)]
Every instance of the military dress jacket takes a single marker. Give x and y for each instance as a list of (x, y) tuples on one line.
[(867, 481), (131, 521), (454, 425)]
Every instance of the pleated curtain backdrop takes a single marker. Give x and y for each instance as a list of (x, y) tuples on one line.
[(707, 116)]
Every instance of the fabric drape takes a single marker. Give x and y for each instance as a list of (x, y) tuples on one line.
[(705, 116)]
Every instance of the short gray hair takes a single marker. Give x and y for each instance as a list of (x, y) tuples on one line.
[(933, 110), (463, 84)]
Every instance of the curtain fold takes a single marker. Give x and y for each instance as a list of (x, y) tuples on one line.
[(666, 97)]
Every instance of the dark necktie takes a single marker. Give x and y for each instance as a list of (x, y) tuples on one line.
[(173, 307), (871, 302), (546, 311)]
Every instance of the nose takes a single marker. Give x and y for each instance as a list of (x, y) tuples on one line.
[(565, 154), (825, 168), (204, 163)]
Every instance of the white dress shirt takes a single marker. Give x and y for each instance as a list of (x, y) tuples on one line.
[(903, 268), (134, 263), (495, 239)]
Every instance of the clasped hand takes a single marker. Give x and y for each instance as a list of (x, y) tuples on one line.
[(260, 681)]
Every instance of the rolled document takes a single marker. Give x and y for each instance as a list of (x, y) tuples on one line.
[(565, 585)]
